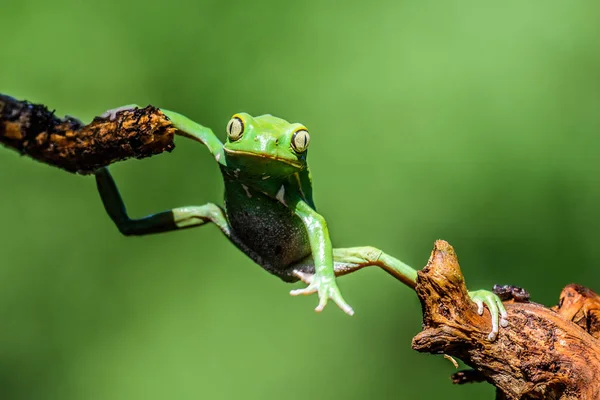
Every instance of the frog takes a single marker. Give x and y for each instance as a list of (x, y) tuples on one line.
[(269, 212)]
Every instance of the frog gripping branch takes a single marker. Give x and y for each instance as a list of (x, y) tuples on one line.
[(35, 131), (270, 215), (269, 211)]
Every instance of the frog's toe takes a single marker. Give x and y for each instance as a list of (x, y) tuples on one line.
[(500, 312), (345, 307), (494, 333), (304, 277), (306, 291), (322, 303), (503, 314), (112, 113), (479, 303), (307, 279), (331, 291)]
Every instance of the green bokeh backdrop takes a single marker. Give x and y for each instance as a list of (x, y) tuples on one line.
[(464, 120)]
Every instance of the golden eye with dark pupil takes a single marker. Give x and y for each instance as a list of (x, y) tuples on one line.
[(300, 140), (235, 129)]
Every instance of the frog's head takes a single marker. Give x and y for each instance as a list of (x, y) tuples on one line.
[(265, 145)]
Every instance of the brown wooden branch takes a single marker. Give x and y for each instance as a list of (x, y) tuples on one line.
[(542, 354), (33, 130), (582, 306)]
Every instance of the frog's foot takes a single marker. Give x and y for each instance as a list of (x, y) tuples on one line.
[(497, 310), (112, 113), (326, 287)]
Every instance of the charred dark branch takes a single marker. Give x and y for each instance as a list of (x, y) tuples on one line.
[(35, 131)]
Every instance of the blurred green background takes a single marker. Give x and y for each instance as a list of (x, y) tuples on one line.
[(463, 120)]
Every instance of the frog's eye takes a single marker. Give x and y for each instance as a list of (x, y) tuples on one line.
[(300, 140), (235, 129)]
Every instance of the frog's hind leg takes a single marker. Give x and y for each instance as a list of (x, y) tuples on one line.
[(177, 218), (352, 259), (348, 260), (170, 220)]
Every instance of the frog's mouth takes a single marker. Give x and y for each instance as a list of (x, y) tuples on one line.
[(293, 163)]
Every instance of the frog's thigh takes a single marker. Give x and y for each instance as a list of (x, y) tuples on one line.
[(351, 259), (175, 219), (345, 260)]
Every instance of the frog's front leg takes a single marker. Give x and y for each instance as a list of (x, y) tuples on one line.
[(185, 127), (348, 260), (323, 280)]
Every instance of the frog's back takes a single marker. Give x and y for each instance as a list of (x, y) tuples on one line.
[(267, 227)]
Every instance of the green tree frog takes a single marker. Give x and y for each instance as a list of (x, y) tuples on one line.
[(269, 211)]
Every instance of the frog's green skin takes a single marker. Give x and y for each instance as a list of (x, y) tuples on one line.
[(270, 214)]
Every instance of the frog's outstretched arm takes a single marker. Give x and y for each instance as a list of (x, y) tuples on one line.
[(347, 260), (185, 127), (195, 131)]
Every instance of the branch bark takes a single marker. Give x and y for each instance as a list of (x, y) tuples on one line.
[(33, 130), (543, 353)]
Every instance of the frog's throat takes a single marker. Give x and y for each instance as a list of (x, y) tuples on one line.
[(293, 163)]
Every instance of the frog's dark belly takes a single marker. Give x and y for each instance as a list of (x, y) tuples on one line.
[(266, 227)]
